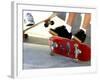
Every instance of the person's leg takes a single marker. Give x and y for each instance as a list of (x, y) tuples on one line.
[(86, 22), (81, 34), (70, 21), (71, 18), (65, 30)]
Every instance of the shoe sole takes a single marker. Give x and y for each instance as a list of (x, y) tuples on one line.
[(53, 33), (75, 38)]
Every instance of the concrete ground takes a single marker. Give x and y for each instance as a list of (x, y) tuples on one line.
[(38, 56)]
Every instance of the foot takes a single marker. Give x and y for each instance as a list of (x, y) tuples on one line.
[(61, 31), (29, 20), (80, 36)]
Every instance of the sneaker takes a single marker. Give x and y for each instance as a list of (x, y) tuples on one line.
[(29, 20), (61, 31), (80, 36)]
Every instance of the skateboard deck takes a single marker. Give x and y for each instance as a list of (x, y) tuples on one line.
[(25, 36), (70, 48)]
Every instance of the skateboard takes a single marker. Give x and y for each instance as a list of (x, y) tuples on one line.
[(70, 48), (47, 23)]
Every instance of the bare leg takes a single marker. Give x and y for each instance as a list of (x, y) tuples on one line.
[(86, 21), (70, 21), (71, 18)]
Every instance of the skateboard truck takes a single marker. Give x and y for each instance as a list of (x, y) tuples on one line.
[(77, 51), (48, 22)]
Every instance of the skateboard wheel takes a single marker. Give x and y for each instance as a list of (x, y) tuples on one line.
[(52, 22), (46, 24), (25, 36)]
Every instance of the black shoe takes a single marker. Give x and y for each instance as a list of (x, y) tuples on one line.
[(61, 31), (80, 35)]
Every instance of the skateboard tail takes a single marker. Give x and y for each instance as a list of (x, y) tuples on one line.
[(86, 53)]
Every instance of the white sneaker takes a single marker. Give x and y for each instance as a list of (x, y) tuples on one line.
[(29, 20)]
